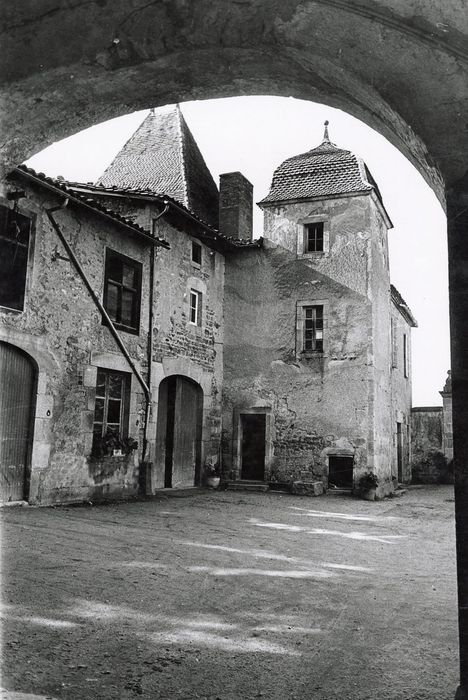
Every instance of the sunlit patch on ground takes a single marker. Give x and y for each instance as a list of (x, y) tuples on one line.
[(273, 573), (341, 516), (362, 536), (241, 644)]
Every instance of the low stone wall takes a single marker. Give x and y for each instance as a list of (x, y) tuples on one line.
[(429, 464)]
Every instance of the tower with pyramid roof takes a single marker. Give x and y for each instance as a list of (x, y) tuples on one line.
[(308, 342), (163, 158)]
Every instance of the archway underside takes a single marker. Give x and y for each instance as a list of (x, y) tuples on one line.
[(400, 71)]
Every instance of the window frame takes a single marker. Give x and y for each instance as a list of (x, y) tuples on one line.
[(303, 227), (29, 253), (318, 227), (406, 356), (198, 296), (195, 245), (110, 255), (302, 308), (124, 413)]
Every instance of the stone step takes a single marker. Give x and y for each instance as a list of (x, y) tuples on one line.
[(242, 485)]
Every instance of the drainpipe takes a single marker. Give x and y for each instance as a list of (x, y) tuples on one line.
[(106, 317), (150, 332)]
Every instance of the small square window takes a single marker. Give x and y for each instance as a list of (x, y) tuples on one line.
[(195, 307), (313, 237), (196, 253)]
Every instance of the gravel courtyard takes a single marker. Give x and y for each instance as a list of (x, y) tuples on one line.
[(232, 595)]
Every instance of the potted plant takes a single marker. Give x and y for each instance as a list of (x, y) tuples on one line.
[(368, 486), (212, 475)]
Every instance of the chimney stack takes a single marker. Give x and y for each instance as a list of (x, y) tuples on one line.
[(235, 206)]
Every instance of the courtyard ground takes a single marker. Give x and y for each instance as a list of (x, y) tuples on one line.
[(228, 595)]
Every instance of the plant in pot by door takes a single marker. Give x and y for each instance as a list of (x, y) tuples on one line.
[(212, 475), (368, 486)]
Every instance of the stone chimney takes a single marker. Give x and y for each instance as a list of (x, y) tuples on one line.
[(235, 206)]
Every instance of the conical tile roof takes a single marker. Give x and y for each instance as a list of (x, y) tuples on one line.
[(162, 157), (323, 171)]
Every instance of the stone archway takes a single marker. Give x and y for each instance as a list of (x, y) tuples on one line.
[(401, 70)]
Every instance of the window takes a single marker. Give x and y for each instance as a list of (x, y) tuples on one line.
[(122, 291), (15, 231), (313, 237), (195, 307), (111, 408), (405, 355), (196, 253), (394, 333), (312, 328)]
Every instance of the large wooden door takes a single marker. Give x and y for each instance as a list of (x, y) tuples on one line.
[(180, 430), (253, 427), (17, 405)]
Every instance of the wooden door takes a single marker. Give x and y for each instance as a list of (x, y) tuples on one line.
[(253, 427), (187, 433), (17, 404), (179, 433)]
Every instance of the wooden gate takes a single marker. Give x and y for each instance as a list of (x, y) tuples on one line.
[(17, 404), (180, 417)]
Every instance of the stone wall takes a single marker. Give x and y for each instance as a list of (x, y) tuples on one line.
[(263, 371), (61, 330), (195, 352), (401, 398), (429, 464), (335, 403)]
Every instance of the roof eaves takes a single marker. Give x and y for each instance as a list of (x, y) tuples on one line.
[(402, 306), (87, 202), (294, 200)]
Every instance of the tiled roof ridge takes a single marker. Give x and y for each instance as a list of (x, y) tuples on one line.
[(183, 150), (238, 242), (64, 186)]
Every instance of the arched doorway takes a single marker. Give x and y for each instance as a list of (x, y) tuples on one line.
[(17, 409), (179, 431)]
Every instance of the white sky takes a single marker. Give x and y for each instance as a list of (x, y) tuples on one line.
[(254, 135)]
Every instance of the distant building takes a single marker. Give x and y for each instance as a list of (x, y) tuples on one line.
[(140, 346), (432, 440)]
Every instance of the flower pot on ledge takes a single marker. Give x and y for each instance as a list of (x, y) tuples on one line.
[(213, 481)]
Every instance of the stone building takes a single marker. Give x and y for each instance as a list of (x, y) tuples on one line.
[(432, 440), (139, 344), (317, 342)]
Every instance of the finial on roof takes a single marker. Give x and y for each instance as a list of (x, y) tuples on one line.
[(325, 133)]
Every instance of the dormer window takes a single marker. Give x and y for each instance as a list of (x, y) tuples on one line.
[(313, 237)]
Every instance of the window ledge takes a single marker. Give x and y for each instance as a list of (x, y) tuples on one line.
[(7, 309)]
